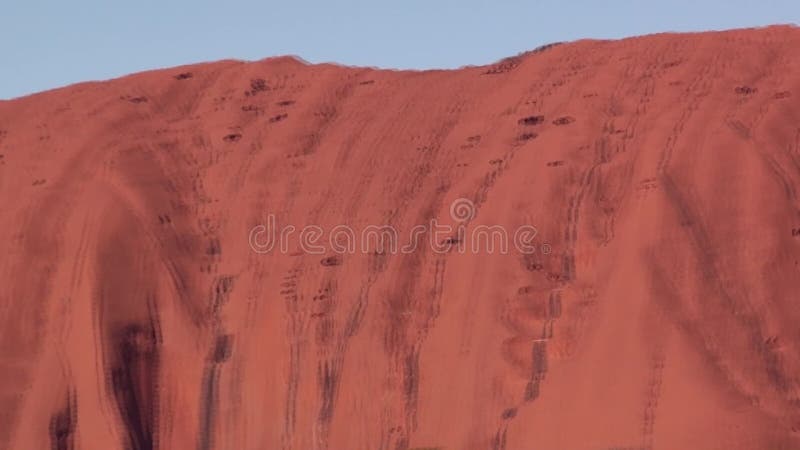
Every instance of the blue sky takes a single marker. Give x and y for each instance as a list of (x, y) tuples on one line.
[(47, 44)]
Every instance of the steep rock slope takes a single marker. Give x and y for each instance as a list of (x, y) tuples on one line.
[(658, 309)]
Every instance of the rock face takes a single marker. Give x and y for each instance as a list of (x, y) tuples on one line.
[(652, 305)]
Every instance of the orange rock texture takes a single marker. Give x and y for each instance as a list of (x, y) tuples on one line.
[(657, 307)]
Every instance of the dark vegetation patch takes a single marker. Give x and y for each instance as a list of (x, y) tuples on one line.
[(531, 120), (472, 141), (509, 413), (214, 248), (451, 240), (132, 377), (222, 349), (184, 76), (139, 99), (63, 425), (545, 47), (257, 85), (533, 266), (566, 120), (512, 62), (331, 261), (505, 65), (782, 95)]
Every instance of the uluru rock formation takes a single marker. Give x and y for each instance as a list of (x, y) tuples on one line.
[(656, 307)]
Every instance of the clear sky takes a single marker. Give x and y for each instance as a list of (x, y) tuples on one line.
[(47, 44)]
